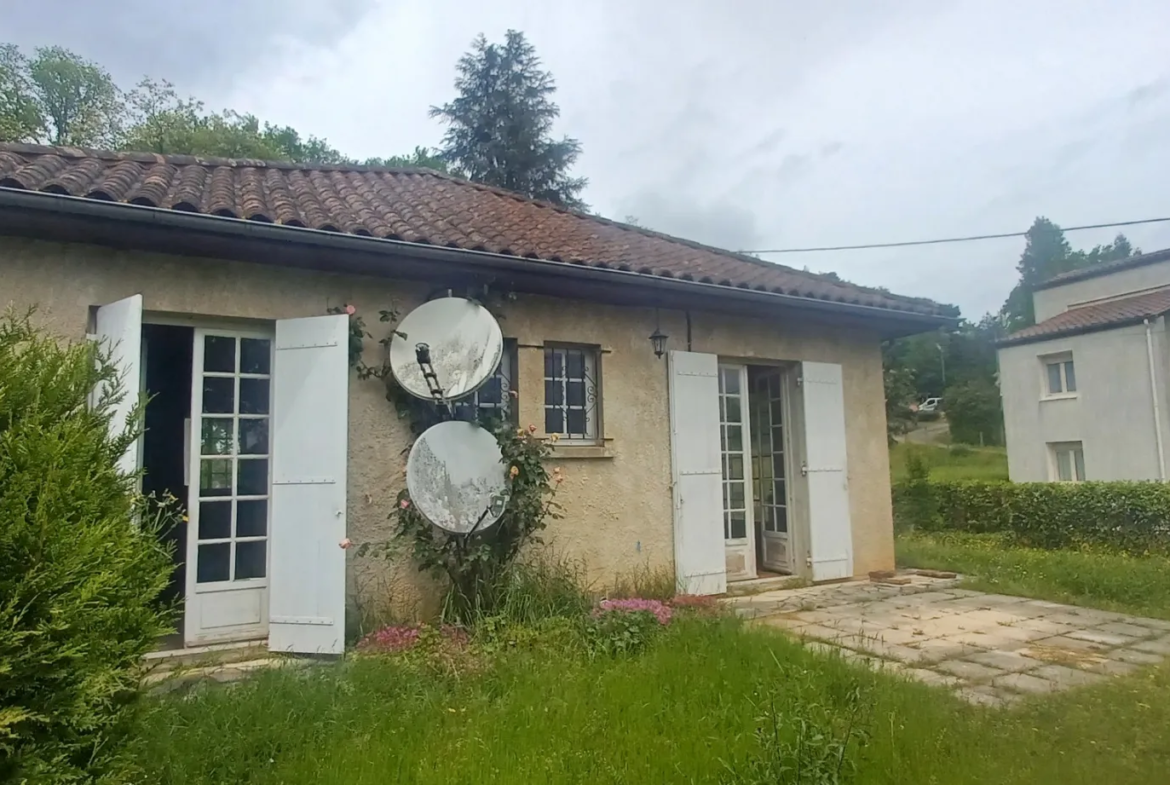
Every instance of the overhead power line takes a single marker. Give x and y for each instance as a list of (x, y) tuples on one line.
[(942, 240)]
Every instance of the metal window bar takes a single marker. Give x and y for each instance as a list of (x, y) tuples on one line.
[(571, 392), (494, 399)]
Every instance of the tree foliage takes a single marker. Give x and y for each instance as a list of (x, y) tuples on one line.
[(499, 126), (159, 121), (20, 118), (975, 412), (959, 363), (1047, 254), (57, 97)]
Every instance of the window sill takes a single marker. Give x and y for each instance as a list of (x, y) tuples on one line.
[(575, 451), (1060, 397)]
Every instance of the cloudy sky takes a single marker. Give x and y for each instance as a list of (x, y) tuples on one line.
[(750, 124)]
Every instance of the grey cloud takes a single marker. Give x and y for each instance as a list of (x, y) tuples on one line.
[(769, 143), (200, 46), (719, 223), (793, 167), (1147, 92)]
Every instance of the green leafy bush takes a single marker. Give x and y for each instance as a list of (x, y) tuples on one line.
[(975, 412), (1128, 517), (616, 633), (78, 581), (918, 508)]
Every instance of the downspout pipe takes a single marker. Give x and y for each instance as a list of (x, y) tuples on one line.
[(1154, 397)]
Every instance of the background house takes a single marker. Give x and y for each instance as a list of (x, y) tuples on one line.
[(1085, 389), (758, 445)]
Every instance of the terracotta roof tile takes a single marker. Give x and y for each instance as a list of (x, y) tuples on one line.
[(414, 205), (1095, 316)]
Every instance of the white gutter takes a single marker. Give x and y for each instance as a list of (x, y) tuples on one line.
[(1154, 396)]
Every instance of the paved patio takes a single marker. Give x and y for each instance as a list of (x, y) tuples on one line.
[(991, 648)]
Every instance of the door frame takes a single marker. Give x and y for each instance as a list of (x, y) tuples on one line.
[(192, 632), (780, 373)]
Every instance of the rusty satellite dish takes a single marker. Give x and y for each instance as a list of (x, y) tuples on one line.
[(451, 347), (455, 476)]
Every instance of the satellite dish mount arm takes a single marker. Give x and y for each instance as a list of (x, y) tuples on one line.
[(422, 353)]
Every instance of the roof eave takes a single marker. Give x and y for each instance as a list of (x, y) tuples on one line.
[(1071, 332), (60, 206)]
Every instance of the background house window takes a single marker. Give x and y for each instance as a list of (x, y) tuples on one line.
[(494, 398), (571, 392), (1062, 376), (1068, 462)]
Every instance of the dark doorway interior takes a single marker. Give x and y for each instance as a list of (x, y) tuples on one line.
[(168, 356)]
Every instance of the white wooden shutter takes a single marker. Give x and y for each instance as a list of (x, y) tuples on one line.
[(119, 330), (310, 421), (830, 527), (700, 563)]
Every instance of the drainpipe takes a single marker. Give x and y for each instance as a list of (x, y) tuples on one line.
[(1154, 396)]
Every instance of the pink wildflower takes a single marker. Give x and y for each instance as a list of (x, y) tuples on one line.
[(532, 429), (660, 611), (345, 544), (696, 602), (349, 309), (403, 637), (404, 504)]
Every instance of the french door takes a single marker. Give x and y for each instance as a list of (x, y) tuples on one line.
[(738, 525), (770, 470), (229, 487)]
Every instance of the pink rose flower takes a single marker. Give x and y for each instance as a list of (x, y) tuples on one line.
[(405, 503), (349, 309), (345, 544)]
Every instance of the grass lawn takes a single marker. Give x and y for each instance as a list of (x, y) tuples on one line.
[(1125, 584), (954, 462), (684, 711)]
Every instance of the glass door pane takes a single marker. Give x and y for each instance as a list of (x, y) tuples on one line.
[(735, 443), (231, 518)]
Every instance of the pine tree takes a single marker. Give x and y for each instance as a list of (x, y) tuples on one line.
[(499, 126)]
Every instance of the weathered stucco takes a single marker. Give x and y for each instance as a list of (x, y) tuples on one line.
[(617, 501), (1111, 415)]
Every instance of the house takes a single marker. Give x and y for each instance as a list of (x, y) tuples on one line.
[(756, 445), (1085, 388)]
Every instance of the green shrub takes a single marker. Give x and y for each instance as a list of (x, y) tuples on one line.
[(975, 412), (78, 581), (617, 633), (918, 508), (1128, 517)]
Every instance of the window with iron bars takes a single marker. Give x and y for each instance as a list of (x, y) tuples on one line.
[(493, 399), (572, 393)]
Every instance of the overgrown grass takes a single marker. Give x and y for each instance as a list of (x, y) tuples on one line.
[(686, 711), (954, 462), (1126, 584)]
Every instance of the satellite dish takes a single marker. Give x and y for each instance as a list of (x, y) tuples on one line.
[(456, 478), (456, 338)]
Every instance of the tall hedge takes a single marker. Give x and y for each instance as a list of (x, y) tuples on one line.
[(78, 580), (1133, 517)]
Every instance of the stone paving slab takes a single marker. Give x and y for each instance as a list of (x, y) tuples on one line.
[(992, 649)]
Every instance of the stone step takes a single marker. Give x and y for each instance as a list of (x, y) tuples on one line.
[(169, 660), (758, 585)]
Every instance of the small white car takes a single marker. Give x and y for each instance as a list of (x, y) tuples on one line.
[(930, 405)]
